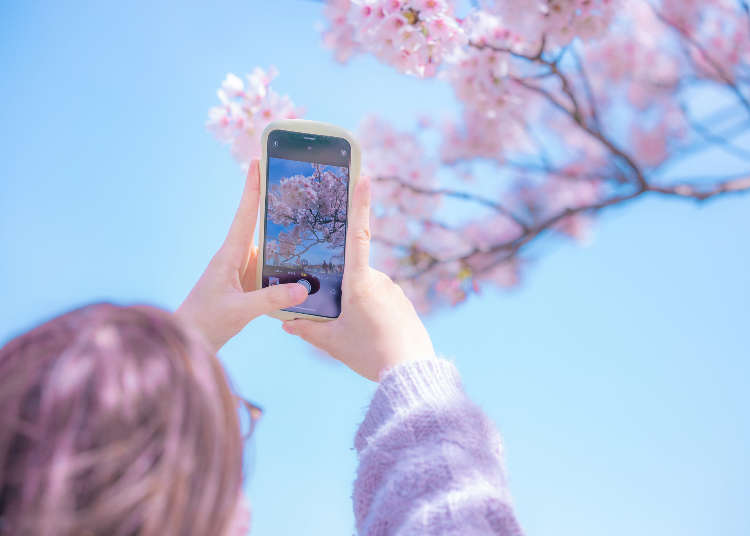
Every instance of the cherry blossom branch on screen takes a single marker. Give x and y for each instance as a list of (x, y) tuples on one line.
[(312, 211), (565, 108)]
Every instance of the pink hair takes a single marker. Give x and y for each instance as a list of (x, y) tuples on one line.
[(116, 420)]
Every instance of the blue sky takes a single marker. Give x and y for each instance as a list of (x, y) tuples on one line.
[(617, 373), (280, 168)]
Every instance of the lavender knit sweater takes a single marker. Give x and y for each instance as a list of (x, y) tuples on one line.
[(430, 462)]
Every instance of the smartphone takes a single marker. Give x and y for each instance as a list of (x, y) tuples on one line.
[(308, 173)]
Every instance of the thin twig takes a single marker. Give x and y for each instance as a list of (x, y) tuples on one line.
[(709, 59), (691, 150), (733, 185), (573, 113), (457, 195), (714, 138), (588, 89)]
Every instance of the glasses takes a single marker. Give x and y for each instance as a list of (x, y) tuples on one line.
[(250, 414)]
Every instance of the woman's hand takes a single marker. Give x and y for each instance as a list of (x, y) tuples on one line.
[(224, 300), (378, 327)]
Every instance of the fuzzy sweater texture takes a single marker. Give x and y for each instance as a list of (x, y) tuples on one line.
[(430, 461)]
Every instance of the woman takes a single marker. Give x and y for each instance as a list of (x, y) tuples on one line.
[(120, 420)]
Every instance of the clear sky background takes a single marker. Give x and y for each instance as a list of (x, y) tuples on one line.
[(618, 373), (278, 169)]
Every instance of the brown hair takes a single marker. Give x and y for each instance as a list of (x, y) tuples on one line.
[(116, 420)]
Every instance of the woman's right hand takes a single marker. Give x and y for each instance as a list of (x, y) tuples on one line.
[(378, 327)]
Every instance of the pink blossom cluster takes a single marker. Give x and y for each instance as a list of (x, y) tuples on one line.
[(398, 161), (723, 43), (477, 135), (561, 193), (482, 74), (246, 108), (284, 247), (288, 201), (340, 34), (544, 134), (644, 68), (408, 226), (689, 14), (415, 36), (557, 21), (483, 247)]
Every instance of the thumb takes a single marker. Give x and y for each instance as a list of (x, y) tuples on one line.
[(270, 299), (318, 334)]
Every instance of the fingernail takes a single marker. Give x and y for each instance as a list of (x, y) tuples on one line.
[(297, 292)]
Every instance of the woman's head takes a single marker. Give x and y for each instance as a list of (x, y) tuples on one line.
[(116, 420)]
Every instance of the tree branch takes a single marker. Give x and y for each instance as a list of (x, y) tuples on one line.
[(722, 74), (714, 138), (457, 195), (588, 89), (732, 185), (575, 113)]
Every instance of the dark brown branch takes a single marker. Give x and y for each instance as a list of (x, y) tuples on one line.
[(457, 195), (546, 94), (568, 90), (588, 89), (574, 113), (734, 185)]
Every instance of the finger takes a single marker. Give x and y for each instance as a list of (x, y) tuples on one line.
[(249, 272), (240, 236), (318, 334), (270, 299), (357, 258)]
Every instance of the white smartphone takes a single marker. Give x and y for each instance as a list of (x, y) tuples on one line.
[(308, 171)]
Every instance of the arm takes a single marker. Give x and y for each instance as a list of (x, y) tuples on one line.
[(430, 461), (224, 300)]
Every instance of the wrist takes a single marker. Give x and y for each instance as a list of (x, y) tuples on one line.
[(408, 387), (404, 362)]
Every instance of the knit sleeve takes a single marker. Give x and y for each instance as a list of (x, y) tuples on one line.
[(430, 461)]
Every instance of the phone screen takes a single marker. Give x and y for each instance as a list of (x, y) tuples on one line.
[(307, 192)]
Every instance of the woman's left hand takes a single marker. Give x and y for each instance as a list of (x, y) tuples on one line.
[(224, 299)]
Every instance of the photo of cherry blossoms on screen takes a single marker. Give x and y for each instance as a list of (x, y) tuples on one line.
[(306, 230)]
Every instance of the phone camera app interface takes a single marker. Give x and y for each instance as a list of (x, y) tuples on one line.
[(307, 186)]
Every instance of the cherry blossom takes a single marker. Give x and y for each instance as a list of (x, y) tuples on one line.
[(400, 165), (246, 108), (412, 35), (562, 109), (313, 208), (557, 21)]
